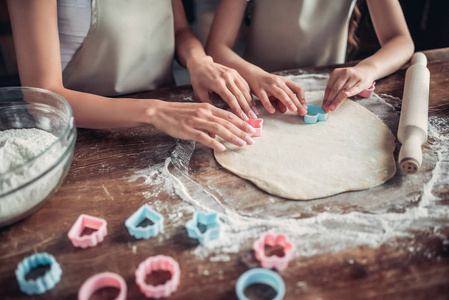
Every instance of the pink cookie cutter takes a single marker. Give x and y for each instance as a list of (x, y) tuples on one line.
[(273, 240), (368, 92), (257, 125), (154, 263), (101, 280), (86, 221)]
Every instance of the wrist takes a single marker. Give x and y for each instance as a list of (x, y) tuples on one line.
[(197, 59)]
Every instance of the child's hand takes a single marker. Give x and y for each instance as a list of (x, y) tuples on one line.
[(200, 122), (208, 76), (282, 91), (344, 83)]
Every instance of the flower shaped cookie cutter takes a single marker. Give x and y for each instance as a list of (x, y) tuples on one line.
[(91, 240), (262, 276), (274, 240), (368, 92), (43, 283), (204, 227), (153, 229), (101, 280), (155, 263), (257, 124), (314, 114)]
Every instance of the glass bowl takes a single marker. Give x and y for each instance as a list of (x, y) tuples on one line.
[(37, 140)]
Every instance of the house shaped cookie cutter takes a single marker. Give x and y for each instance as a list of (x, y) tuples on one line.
[(210, 221), (145, 212), (91, 240), (314, 114), (273, 240)]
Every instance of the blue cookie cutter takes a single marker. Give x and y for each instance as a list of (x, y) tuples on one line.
[(43, 283), (263, 276), (210, 221), (314, 114), (145, 212)]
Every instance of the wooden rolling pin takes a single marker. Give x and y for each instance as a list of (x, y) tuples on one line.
[(412, 131)]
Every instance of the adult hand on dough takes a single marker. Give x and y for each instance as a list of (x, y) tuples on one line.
[(278, 90), (208, 76), (344, 83), (200, 122)]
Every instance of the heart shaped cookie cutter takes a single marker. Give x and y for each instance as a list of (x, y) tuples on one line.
[(211, 227), (91, 240), (314, 114), (274, 240), (368, 92), (153, 229)]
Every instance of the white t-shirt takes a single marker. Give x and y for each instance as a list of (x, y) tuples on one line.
[(73, 24)]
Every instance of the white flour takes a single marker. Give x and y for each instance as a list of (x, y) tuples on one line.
[(17, 147), (397, 210)]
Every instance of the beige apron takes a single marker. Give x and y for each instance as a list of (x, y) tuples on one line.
[(129, 48), (308, 33)]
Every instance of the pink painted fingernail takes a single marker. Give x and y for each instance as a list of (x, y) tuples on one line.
[(252, 115), (249, 140), (254, 108), (244, 116), (240, 142), (250, 129), (220, 147)]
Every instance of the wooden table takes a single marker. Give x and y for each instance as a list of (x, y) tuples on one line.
[(100, 183)]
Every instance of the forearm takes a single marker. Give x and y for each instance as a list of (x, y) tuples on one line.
[(389, 58)]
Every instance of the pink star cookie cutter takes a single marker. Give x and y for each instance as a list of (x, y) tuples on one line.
[(274, 240), (102, 280), (368, 92), (257, 124), (155, 263), (91, 240)]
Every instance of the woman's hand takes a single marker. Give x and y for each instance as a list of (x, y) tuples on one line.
[(281, 91), (208, 76), (344, 83), (200, 122)]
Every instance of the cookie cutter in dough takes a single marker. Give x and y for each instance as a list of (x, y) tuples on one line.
[(209, 221), (145, 212), (314, 114), (43, 283), (102, 280), (155, 263), (91, 240), (262, 276), (274, 240), (257, 124), (368, 92)]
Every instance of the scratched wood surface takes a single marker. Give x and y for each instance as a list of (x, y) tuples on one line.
[(99, 184)]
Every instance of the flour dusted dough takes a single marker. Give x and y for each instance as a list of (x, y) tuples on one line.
[(352, 150)]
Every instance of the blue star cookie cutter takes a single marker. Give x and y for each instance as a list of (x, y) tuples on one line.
[(43, 283), (145, 212), (314, 114), (263, 276), (204, 227)]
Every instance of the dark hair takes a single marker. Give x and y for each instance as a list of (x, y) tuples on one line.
[(353, 40)]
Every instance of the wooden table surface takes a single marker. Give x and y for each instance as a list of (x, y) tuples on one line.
[(102, 182)]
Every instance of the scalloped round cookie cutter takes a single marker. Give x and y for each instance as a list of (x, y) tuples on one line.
[(145, 212), (43, 283), (273, 240), (102, 280), (314, 114), (212, 223), (156, 263), (91, 240), (263, 276)]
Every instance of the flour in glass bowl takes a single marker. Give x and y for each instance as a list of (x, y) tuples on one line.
[(17, 147)]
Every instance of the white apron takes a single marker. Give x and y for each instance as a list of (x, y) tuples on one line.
[(129, 48), (308, 33)]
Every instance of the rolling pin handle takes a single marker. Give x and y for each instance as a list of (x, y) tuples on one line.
[(410, 155)]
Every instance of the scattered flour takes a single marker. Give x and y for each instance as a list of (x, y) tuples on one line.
[(17, 148), (314, 232)]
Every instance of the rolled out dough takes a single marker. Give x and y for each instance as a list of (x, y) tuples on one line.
[(352, 150)]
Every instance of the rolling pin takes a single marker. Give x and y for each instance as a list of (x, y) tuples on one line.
[(412, 131)]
